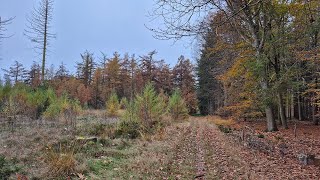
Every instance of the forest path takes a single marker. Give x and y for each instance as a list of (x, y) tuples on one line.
[(203, 152)]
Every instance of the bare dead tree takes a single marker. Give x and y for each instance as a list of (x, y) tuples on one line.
[(17, 72), (38, 30)]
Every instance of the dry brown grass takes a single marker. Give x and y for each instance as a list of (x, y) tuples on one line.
[(96, 113), (101, 113), (217, 120), (61, 161), (121, 112)]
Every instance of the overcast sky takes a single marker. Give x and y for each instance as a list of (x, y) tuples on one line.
[(95, 25)]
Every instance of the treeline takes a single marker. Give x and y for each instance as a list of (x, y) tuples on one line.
[(96, 78), (262, 60)]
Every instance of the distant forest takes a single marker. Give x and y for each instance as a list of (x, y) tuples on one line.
[(95, 80)]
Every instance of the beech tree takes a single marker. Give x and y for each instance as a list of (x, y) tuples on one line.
[(251, 19), (38, 30)]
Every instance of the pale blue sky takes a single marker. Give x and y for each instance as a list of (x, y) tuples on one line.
[(94, 25)]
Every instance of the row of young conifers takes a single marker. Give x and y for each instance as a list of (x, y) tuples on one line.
[(146, 112)]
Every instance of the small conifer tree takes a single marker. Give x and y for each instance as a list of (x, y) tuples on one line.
[(177, 107), (150, 107), (113, 105)]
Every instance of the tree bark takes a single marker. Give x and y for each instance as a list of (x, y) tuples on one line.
[(225, 95), (287, 105), (292, 106), (314, 117), (44, 42), (282, 111), (299, 107), (271, 123)]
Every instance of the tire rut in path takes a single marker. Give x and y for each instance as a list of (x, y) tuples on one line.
[(188, 161), (224, 158), (200, 159), (203, 152)]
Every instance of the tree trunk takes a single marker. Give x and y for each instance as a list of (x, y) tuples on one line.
[(315, 106), (271, 123), (44, 42), (299, 107), (292, 106), (287, 105), (282, 111), (279, 116), (315, 119), (225, 95)]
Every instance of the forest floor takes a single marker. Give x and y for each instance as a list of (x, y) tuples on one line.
[(195, 149)]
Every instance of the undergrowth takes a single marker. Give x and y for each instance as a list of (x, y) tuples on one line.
[(7, 168)]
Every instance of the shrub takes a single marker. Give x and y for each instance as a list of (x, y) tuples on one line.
[(220, 121), (105, 142), (7, 168), (15, 100), (150, 108), (128, 129), (37, 102), (62, 108), (97, 129), (130, 113), (123, 103), (112, 105), (245, 109), (224, 129), (103, 130), (10, 107), (61, 160), (110, 131), (144, 114), (177, 107), (260, 136)]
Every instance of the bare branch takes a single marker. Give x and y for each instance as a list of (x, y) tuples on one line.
[(3, 29)]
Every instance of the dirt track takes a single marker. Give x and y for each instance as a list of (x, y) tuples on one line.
[(201, 153), (204, 152)]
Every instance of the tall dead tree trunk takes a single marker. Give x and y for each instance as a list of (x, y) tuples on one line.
[(44, 51), (38, 30)]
